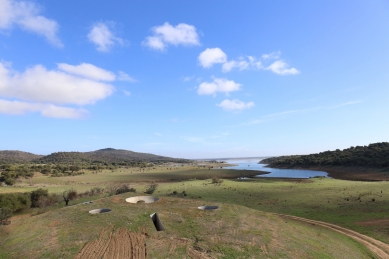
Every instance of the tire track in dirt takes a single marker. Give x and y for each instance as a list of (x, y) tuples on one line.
[(121, 244), (380, 249)]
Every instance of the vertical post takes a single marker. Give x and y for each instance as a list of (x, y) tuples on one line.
[(157, 222)]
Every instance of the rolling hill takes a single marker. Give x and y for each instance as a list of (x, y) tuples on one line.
[(107, 155)]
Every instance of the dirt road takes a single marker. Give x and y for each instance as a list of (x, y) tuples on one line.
[(380, 249)]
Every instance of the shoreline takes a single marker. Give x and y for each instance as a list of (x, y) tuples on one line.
[(349, 173)]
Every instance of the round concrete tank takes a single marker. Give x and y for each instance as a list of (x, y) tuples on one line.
[(145, 199), (99, 211)]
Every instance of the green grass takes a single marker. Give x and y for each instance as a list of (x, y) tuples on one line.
[(329, 200), (233, 231)]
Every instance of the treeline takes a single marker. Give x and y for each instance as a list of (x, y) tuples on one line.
[(9, 173), (41, 198), (374, 155)]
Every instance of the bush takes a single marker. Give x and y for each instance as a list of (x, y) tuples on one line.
[(217, 181), (115, 189), (15, 201), (36, 195), (151, 188), (49, 200), (10, 181), (5, 214)]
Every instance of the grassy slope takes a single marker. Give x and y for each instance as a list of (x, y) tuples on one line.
[(231, 232), (319, 199), (132, 176)]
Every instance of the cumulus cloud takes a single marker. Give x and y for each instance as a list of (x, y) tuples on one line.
[(166, 34), (47, 110), (235, 105), (273, 55), (218, 85), (209, 57), (27, 16), (89, 71), (103, 37), (39, 89), (281, 68)]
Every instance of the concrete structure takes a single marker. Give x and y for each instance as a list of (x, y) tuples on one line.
[(99, 211), (145, 199)]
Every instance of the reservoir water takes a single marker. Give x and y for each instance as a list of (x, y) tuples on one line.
[(252, 164)]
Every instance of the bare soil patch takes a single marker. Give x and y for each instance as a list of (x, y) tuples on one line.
[(119, 244)]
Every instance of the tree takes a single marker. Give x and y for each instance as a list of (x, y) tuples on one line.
[(69, 195)]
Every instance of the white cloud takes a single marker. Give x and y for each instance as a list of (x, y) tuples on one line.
[(212, 56), (218, 85), (39, 89), (209, 57), (188, 78), (47, 110), (103, 37), (281, 68), (27, 16), (273, 55), (88, 71), (235, 105), (127, 93), (125, 77), (182, 34), (41, 85)]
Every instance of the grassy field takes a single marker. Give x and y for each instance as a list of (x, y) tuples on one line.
[(346, 203), (233, 231), (361, 206)]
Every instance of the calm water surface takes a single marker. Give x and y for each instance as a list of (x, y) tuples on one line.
[(252, 164)]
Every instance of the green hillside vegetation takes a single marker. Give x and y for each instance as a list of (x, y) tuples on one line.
[(373, 156), (16, 164), (14, 156), (106, 156)]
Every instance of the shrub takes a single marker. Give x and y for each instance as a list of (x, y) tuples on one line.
[(119, 189), (49, 200), (151, 188), (15, 201), (36, 195), (5, 214), (217, 181), (10, 181)]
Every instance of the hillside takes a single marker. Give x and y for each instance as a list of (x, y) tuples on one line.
[(108, 155), (232, 231), (373, 156), (15, 156)]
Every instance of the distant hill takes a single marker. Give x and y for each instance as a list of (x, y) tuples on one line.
[(107, 155), (15, 156), (374, 155)]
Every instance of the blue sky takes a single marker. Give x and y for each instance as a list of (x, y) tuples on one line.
[(193, 79)]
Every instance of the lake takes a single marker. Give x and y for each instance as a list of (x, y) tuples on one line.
[(252, 164)]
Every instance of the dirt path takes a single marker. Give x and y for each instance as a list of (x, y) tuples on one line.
[(121, 244), (380, 249)]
